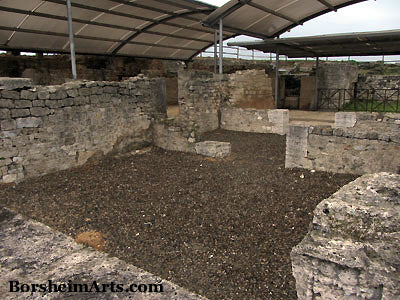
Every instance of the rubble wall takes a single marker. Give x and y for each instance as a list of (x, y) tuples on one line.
[(50, 128), (351, 250), (359, 143)]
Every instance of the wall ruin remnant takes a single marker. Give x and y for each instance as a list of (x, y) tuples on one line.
[(49, 128), (359, 143), (351, 250), (212, 101)]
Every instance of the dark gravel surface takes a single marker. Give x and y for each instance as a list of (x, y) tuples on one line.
[(223, 228)]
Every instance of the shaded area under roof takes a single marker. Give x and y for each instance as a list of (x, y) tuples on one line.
[(270, 18), (167, 29), (349, 44)]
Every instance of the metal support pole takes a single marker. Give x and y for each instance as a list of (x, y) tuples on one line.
[(221, 46), (315, 104), (71, 39), (277, 80), (215, 51)]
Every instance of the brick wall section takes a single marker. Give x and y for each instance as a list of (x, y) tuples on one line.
[(360, 143), (50, 128)]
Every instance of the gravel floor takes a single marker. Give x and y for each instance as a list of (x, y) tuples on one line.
[(223, 228)]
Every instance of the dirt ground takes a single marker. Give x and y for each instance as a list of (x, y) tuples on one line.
[(223, 228)]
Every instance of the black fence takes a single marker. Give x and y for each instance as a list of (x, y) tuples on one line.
[(369, 100)]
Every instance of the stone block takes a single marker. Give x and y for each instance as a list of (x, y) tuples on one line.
[(58, 95), (10, 95), (84, 92), (38, 103), (345, 119), (72, 93), (7, 83), (4, 113), (5, 103), (53, 103), (351, 250), (213, 148), (9, 178), (23, 103), (39, 111), (8, 125), (43, 95), (17, 113), (296, 147), (28, 95), (31, 122)]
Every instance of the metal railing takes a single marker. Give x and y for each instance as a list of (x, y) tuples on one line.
[(369, 100), (243, 53)]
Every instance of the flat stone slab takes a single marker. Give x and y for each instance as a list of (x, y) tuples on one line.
[(8, 83), (32, 253), (213, 148)]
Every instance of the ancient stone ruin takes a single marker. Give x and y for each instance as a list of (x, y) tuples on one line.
[(352, 248)]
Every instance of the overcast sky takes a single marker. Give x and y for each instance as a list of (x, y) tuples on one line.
[(372, 15)]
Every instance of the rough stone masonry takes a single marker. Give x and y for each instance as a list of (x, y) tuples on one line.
[(49, 128), (352, 249), (359, 143)]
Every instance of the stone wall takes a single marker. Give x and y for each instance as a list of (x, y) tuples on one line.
[(359, 143), (352, 248), (379, 82), (251, 89), (203, 95), (255, 120), (200, 96), (50, 128), (337, 75)]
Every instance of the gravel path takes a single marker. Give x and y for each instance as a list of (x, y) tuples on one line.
[(222, 228)]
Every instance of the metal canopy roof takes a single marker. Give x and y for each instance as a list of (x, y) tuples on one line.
[(167, 29), (270, 18), (349, 44)]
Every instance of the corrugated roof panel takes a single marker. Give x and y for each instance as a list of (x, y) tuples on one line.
[(270, 18), (114, 27)]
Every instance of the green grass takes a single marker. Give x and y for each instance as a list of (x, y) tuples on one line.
[(372, 106)]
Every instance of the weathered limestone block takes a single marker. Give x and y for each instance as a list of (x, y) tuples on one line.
[(8, 83), (213, 148), (345, 119), (8, 125), (39, 111), (30, 122), (17, 113), (4, 113), (23, 104), (352, 249), (296, 147)]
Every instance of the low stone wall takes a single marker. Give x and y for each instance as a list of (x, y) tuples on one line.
[(254, 120), (379, 82), (170, 135), (50, 128), (360, 143), (352, 248)]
